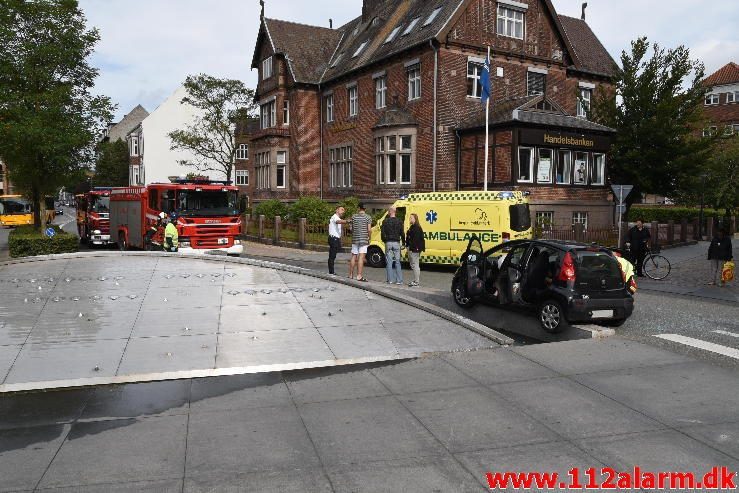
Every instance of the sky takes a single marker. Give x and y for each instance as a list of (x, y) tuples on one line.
[(148, 47)]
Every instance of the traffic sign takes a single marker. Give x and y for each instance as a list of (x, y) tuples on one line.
[(621, 192), (50, 232), (620, 209)]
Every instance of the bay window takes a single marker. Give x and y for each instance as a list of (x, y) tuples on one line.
[(525, 165), (394, 158), (268, 114), (564, 167), (380, 92), (580, 175), (598, 170), (544, 168), (281, 171)]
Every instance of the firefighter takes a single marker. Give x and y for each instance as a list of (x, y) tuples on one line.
[(155, 235), (171, 238)]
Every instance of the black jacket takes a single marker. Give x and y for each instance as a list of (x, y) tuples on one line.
[(638, 238), (392, 230), (414, 239), (720, 249)]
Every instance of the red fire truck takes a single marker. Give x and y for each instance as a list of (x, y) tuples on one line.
[(93, 222), (205, 212)]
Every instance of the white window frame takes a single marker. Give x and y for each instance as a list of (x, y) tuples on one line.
[(392, 35), (532, 73), (567, 174), (360, 49), (380, 92), (286, 112), (281, 165), (242, 152), (263, 169), (329, 107), (400, 154), (268, 114), (585, 96), (411, 26), (340, 166), (599, 168), (539, 217), (135, 146), (242, 177), (432, 17), (532, 153), (580, 217), (551, 164), (587, 168), (731, 97), (352, 94), (510, 20), (414, 82), (474, 80), (267, 68), (712, 99)]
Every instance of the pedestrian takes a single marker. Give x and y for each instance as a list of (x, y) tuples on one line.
[(334, 237), (392, 236), (719, 251), (416, 244), (361, 230), (171, 237), (637, 240)]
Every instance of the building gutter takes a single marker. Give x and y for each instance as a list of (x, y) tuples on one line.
[(320, 163), (436, 83)]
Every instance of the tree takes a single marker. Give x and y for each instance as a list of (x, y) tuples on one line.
[(212, 137), (48, 118), (111, 168), (656, 110)]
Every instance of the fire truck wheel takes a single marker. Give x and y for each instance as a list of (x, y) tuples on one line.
[(122, 243)]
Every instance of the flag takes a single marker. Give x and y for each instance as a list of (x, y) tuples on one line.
[(485, 80)]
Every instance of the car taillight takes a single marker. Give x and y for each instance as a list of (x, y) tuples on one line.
[(506, 237), (567, 272)]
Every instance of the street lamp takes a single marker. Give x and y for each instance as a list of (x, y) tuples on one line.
[(703, 177)]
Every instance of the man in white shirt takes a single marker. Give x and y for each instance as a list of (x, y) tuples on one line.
[(334, 237)]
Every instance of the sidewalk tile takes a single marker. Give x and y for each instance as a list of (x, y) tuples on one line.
[(333, 384), (25, 453), (41, 408), (250, 391), (158, 486), (262, 317), (497, 366), (723, 437), (287, 481), (272, 348), (422, 375), (358, 341), (135, 400), (163, 354), (162, 322)]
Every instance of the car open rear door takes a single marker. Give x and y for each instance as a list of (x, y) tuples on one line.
[(474, 263), (511, 274)]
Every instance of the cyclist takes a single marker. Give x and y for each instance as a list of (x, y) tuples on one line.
[(637, 241)]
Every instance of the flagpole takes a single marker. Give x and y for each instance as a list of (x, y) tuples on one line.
[(487, 132)]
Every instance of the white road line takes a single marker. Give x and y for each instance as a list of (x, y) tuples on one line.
[(697, 343), (726, 333)]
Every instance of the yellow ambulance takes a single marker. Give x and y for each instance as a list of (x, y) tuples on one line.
[(449, 219)]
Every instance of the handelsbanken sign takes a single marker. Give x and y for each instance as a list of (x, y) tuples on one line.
[(548, 138)]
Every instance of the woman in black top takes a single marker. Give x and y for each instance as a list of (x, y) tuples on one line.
[(719, 252), (416, 244)]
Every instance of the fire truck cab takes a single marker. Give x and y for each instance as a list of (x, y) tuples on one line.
[(205, 212), (93, 216)]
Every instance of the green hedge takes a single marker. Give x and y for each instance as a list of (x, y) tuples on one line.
[(664, 214), (25, 241), (270, 208)]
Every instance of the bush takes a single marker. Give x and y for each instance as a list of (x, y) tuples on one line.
[(315, 210), (26, 241), (377, 216), (351, 204), (270, 208), (664, 214)]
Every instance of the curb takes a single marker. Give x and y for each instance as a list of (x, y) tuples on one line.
[(450, 316)]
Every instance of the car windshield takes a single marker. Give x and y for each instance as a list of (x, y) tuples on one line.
[(100, 204), (15, 206), (209, 203)]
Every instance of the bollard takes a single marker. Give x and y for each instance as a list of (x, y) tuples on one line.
[(670, 232), (654, 231), (278, 227), (683, 230), (261, 227), (301, 231)]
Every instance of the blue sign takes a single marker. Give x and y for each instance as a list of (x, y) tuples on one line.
[(50, 232), (431, 217)]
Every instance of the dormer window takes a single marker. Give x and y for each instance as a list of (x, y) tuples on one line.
[(432, 17), (392, 35), (267, 68), (338, 59), (510, 22), (411, 26), (359, 50)]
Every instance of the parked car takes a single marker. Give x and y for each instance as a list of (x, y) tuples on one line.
[(59, 210), (563, 281)]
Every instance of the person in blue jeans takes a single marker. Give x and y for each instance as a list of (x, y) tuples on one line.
[(392, 235)]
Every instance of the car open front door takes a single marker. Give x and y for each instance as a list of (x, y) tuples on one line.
[(474, 267), (511, 274)]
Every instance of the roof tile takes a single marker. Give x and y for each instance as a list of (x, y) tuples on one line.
[(591, 56), (728, 74)]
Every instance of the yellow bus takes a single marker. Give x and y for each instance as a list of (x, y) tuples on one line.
[(15, 211)]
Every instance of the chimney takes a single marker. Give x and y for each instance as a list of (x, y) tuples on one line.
[(368, 9), (584, 6), (331, 23)]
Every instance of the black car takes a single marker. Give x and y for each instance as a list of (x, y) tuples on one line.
[(564, 281)]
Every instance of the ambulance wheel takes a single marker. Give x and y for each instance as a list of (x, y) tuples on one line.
[(375, 257), (460, 295), (122, 243)]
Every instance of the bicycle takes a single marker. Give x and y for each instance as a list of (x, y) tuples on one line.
[(655, 266)]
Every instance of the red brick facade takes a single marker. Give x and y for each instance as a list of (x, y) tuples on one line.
[(721, 106), (443, 63)]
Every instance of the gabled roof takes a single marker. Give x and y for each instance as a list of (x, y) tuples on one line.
[(589, 54), (529, 110), (120, 130), (728, 74)]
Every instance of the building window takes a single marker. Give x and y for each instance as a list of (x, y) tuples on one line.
[(394, 159), (474, 86), (731, 97), (431, 17), (286, 112), (330, 108), (580, 176), (242, 177), (134, 146), (711, 99), (268, 114), (242, 152), (598, 170), (583, 102), (545, 220), (709, 131), (392, 35), (564, 167), (353, 95), (535, 83), (414, 82), (267, 68), (359, 50), (510, 22), (380, 92), (525, 165), (262, 170), (135, 175), (281, 169), (544, 169), (580, 218), (411, 26), (340, 167)]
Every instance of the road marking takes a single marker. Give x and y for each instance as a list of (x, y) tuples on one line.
[(697, 343), (726, 333)]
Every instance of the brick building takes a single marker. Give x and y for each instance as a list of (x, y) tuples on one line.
[(722, 100), (242, 169), (389, 104)]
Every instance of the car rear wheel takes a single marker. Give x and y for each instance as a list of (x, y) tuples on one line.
[(375, 257), (122, 243), (552, 317), (460, 294)]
